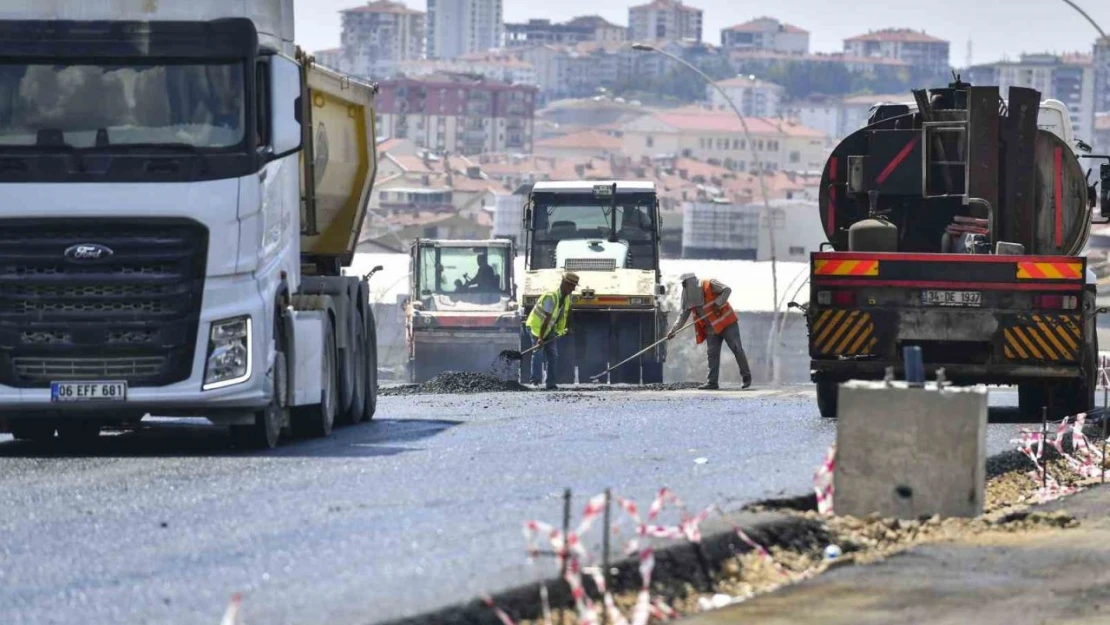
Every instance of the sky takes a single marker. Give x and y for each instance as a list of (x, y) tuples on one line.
[(997, 28)]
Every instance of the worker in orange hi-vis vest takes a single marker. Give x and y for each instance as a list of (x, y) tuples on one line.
[(708, 299)]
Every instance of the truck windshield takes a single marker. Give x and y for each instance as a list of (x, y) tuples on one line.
[(557, 218), (462, 270), (100, 105), (575, 221)]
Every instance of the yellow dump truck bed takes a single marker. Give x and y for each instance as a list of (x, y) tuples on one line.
[(340, 161)]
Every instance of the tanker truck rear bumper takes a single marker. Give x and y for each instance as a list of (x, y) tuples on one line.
[(983, 319)]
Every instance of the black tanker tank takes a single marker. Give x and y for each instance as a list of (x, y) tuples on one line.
[(961, 165)]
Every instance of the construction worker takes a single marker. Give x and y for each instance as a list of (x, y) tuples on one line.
[(546, 323), (716, 324)]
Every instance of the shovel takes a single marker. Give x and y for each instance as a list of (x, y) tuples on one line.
[(646, 349), (512, 354)]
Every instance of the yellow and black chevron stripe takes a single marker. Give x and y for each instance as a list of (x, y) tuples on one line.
[(1043, 338), (843, 333)]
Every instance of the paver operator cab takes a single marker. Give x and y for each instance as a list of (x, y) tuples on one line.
[(957, 225), (462, 311), (182, 189), (608, 233)]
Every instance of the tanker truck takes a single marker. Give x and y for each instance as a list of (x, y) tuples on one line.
[(956, 224), (183, 189)]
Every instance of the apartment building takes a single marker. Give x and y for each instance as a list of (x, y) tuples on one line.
[(664, 20), (752, 96), (378, 35), (458, 113), (717, 135), (460, 27), (495, 67), (916, 48), (1070, 78), (578, 30), (766, 33)]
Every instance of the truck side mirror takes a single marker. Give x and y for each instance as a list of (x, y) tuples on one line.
[(285, 104)]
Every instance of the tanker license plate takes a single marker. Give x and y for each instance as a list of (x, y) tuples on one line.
[(951, 298), (88, 391)]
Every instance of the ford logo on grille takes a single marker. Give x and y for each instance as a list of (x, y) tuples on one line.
[(88, 252)]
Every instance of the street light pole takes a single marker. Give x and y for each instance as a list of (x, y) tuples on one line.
[(1090, 19), (770, 216)]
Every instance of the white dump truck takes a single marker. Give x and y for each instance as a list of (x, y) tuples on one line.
[(182, 189)]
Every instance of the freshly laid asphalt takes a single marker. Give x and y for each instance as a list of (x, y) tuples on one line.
[(418, 510)]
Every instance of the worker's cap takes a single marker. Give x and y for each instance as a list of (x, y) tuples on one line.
[(687, 276), (571, 278)]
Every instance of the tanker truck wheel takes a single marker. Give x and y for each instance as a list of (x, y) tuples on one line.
[(827, 393)]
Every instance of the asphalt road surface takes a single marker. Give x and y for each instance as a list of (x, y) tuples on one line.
[(417, 510)]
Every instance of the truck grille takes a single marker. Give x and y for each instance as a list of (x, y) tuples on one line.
[(131, 316), (61, 369), (590, 264)]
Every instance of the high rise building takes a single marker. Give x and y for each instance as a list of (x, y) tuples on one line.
[(1102, 75), (378, 35), (459, 27), (1070, 78)]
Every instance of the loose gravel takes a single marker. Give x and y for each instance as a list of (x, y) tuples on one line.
[(457, 383)]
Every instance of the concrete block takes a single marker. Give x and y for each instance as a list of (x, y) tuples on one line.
[(909, 452)]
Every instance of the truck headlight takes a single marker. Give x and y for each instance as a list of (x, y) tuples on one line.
[(229, 353)]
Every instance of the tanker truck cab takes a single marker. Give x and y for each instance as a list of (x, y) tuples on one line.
[(608, 233), (150, 255)]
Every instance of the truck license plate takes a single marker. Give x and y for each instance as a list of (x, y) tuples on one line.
[(951, 298), (88, 391)]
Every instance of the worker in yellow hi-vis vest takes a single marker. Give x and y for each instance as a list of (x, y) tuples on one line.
[(546, 323), (708, 299)]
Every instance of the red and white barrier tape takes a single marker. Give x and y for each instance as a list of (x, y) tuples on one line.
[(231, 615), (501, 615), (823, 482), (571, 550)]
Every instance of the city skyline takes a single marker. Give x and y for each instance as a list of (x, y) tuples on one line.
[(1059, 28)]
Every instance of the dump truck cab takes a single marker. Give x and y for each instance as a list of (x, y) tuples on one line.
[(462, 309), (608, 233)]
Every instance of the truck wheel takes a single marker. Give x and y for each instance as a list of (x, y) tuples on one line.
[(827, 393), (78, 433), (357, 377), (316, 421), (33, 431), (370, 406), (1032, 398), (265, 432)]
